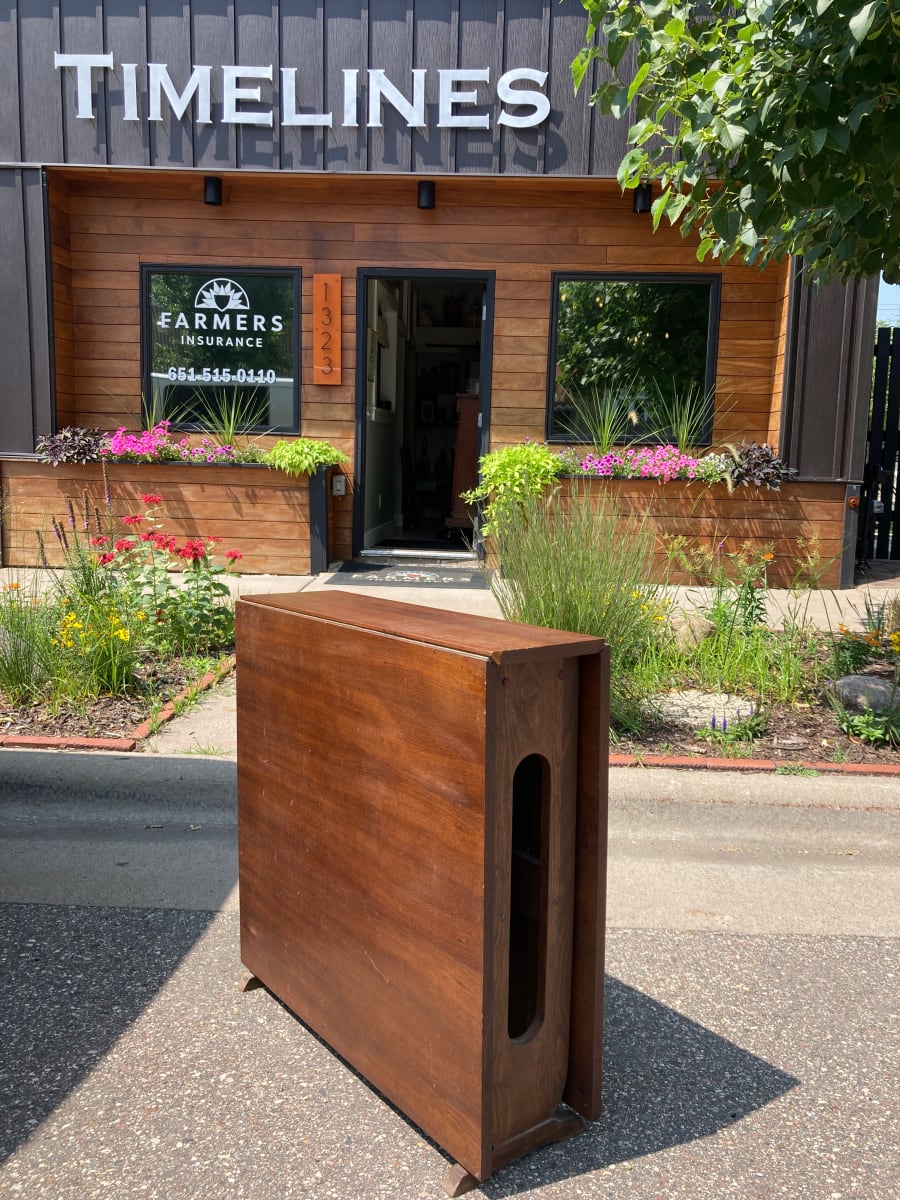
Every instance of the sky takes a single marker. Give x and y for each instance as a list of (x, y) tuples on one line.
[(889, 302)]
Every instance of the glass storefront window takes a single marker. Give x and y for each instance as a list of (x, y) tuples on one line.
[(634, 355), (221, 348)]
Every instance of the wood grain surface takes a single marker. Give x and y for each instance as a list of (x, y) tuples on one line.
[(377, 774)]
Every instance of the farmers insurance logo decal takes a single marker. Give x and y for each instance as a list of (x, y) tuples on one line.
[(222, 316)]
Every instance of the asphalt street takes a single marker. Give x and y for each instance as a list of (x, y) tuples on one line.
[(751, 990)]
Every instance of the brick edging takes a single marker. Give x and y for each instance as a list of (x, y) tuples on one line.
[(750, 764), (140, 732)]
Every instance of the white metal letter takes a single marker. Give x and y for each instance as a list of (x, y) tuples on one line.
[(160, 82), (232, 95), (129, 87), (381, 87), (289, 114), (351, 86), (510, 95), (448, 98), (84, 64)]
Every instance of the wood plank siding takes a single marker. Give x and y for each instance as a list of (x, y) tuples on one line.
[(106, 224), (262, 513), (801, 526)]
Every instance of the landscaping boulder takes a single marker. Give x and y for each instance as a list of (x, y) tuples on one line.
[(859, 692)]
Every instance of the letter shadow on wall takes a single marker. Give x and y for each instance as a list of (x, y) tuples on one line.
[(666, 1081)]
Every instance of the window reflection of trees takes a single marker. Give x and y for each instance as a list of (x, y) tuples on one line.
[(641, 341)]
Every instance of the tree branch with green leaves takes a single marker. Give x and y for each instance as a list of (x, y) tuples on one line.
[(772, 127)]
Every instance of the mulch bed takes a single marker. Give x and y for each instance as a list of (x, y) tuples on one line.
[(107, 717), (793, 735)]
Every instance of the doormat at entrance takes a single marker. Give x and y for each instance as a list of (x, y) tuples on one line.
[(439, 575)]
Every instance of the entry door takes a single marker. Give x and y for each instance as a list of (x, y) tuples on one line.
[(423, 398)]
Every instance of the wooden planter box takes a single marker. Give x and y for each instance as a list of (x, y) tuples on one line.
[(278, 522), (707, 515)]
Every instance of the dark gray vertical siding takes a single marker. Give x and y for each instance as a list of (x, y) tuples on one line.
[(526, 44), (436, 47), (390, 49), (213, 38), (10, 141), (256, 43), (302, 36), (38, 282), (40, 91), (25, 397), (608, 136), (16, 421), (346, 45), (81, 32), (126, 37), (321, 38), (169, 41), (567, 151), (828, 377), (480, 45)]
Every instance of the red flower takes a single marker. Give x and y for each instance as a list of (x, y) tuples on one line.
[(99, 541), (192, 550), (234, 555), (132, 520), (214, 541), (152, 498), (124, 544), (105, 558)]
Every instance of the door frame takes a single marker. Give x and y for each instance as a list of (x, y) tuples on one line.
[(363, 276)]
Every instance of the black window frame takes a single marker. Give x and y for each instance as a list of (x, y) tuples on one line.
[(713, 280), (211, 271)]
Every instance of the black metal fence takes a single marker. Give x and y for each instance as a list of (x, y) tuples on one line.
[(879, 526)]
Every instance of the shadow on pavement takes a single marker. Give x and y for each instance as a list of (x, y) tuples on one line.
[(74, 980), (666, 1081)]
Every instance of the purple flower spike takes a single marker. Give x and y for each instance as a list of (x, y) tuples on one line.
[(724, 723), (712, 723)]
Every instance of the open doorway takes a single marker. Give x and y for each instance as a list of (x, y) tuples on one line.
[(422, 407)]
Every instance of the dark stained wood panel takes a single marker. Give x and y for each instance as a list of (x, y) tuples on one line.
[(376, 781)]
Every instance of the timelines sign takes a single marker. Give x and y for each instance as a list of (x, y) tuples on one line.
[(464, 95), (218, 341)]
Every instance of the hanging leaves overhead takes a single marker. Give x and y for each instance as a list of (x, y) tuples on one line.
[(772, 128)]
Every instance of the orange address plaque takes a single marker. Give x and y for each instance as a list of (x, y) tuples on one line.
[(326, 329)]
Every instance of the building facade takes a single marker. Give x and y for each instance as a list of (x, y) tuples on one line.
[(364, 220)]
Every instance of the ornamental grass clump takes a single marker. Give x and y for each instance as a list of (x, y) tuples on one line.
[(27, 653), (568, 563)]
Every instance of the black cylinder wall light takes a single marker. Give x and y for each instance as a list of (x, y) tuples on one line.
[(212, 189), (427, 193), (642, 201)]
